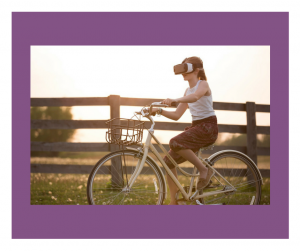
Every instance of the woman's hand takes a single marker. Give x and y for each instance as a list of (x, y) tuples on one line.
[(168, 101), (154, 111)]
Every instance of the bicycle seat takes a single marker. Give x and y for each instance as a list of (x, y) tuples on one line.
[(209, 147)]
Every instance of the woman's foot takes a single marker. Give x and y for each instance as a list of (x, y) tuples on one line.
[(203, 173), (203, 182)]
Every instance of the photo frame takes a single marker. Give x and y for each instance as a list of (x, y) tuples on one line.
[(149, 28)]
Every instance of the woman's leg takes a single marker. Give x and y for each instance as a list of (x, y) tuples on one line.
[(191, 157), (194, 138), (172, 186)]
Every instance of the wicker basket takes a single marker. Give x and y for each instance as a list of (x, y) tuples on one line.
[(124, 131)]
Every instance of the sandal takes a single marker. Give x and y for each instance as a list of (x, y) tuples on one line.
[(202, 183)]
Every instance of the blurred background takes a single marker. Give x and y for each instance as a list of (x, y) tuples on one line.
[(235, 74)]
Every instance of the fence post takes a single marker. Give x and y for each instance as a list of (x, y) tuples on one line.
[(116, 172), (251, 131)]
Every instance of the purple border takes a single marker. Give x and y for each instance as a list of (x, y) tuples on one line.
[(149, 28)]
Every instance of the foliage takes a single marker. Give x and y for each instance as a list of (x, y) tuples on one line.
[(241, 140), (50, 135)]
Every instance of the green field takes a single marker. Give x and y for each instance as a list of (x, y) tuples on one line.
[(70, 189)]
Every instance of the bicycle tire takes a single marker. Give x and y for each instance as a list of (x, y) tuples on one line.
[(101, 190), (245, 178)]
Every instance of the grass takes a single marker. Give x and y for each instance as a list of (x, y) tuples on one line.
[(70, 189)]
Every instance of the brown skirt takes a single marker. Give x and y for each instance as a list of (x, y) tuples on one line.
[(201, 133)]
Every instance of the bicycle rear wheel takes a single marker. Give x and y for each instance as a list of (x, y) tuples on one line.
[(239, 171), (107, 183)]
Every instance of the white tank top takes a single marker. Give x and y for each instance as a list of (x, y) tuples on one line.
[(203, 107)]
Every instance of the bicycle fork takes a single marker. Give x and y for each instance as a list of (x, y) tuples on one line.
[(139, 165)]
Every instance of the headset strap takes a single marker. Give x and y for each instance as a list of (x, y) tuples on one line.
[(197, 65)]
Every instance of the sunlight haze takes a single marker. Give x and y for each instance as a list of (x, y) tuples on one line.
[(235, 74)]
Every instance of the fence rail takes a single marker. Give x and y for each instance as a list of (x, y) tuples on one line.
[(100, 124), (114, 102), (132, 102)]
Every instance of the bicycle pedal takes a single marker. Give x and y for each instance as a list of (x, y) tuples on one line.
[(199, 203), (208, 185)]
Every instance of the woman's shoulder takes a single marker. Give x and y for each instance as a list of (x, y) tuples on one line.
[(204, 84)]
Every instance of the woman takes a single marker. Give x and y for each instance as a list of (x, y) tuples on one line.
[(202, 132)]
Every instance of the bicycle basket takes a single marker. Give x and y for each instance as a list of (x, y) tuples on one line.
[(124, 131)]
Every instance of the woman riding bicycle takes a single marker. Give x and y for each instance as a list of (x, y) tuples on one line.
[(204, 128)]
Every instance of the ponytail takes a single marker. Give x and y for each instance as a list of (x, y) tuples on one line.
[(201, 75), (197, 60)]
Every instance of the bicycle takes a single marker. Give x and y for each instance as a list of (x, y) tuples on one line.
[(131, 176)]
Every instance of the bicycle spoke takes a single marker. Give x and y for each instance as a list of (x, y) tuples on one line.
[(143, 190), (236, 170)]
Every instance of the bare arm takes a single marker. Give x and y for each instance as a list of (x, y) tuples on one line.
[(200, 92), (181, 108), (202, 89), (174, 115)]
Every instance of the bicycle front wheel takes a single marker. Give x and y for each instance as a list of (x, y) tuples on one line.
[(240, 172), (108, 181)]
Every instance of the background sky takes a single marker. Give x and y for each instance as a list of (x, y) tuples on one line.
[(235, 74)]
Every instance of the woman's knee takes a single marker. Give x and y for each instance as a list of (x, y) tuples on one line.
[(173, 144), (168, 162)]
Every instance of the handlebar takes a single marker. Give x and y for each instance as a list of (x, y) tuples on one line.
[(148, 115), (155, 104)]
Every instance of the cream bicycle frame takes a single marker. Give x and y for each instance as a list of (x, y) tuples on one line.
[(188, 196)]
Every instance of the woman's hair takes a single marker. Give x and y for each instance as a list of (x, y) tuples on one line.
[(196, 60)]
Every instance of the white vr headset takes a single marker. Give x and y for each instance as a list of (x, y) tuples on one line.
[(185, 68)]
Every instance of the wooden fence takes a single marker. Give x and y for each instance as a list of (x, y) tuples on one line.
[(115, 101)]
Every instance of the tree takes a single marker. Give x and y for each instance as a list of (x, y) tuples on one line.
[(50, 135), (241, 140)]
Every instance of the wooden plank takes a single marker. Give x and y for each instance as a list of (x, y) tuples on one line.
[(86, 169), (263, 151), (263, 130), (262, 108), (69, 147), (265, 173), (232, 128), (67, 124), (216, 105), (68, 101), (104, 147), (251, 131), (114, 103), (132, 102), (229, 106), (138, 101), (98, 147), (100, 124)]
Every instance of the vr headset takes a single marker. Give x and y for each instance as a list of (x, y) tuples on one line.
[(185, 68)]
